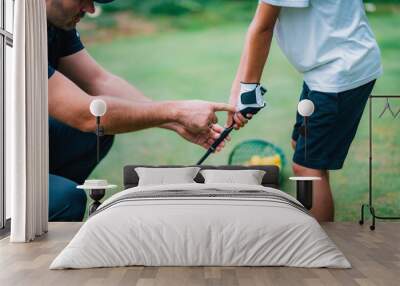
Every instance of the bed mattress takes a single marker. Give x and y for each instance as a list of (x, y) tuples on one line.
[(201, 225)]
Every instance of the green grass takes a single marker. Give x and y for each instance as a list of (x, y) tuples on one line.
[(201, 65), (200, 14)]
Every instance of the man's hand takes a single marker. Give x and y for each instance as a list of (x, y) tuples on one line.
[(205, 139), (237, 118), (199, 116)]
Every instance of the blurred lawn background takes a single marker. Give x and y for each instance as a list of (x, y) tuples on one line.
[(190, 49)]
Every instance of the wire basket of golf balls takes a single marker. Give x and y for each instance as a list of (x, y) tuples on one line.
[(257, 152)]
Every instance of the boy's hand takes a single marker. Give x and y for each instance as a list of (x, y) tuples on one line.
[(248, 103)]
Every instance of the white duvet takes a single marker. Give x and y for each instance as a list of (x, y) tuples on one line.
[(201, 230)]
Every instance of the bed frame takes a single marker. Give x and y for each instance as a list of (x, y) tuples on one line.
[(270, 179)]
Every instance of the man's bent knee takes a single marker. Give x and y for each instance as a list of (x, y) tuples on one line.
[(66, 202)]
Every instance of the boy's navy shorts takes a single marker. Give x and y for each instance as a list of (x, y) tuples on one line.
[(331, 128)]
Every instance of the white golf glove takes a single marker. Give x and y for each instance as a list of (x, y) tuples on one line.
[(251, 98)]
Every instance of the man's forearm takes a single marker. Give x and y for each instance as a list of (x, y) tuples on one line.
[(125, 115), (118, 87)]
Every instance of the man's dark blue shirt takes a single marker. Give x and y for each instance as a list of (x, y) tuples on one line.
[(60, 44)]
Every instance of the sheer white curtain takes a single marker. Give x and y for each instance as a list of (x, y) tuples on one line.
[(27, 124)]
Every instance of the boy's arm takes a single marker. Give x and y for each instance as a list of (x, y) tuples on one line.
[(255, 54)]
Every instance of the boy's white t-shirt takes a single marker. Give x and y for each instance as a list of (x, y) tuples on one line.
[(329, 41)]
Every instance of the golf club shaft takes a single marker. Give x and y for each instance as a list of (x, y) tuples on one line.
[(214, 146)]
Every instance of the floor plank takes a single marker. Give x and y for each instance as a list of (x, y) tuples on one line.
[(374, 255)]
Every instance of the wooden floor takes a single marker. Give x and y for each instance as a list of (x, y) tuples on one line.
[(375, 257)]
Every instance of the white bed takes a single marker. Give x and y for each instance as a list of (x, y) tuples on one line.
[(201, 224)]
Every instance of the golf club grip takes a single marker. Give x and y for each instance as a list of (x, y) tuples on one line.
[(221, 138), (214, 146)]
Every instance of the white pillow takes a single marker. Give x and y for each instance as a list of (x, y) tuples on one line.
[(248, 177), (165, 176)]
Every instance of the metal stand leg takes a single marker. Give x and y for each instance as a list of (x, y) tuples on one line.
[(374, 216), (372, 211), (369, 206), (361, 221)]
